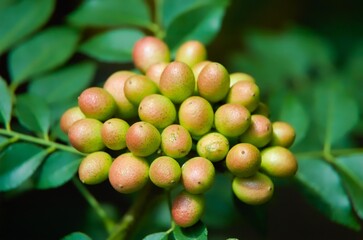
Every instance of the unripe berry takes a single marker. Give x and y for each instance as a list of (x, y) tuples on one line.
[(154, 71), (187, 209), (157, 110), (128, 173), (213, 146), (85, 135), (232, 120), (262, 109), (165, 172), (114, 133), (255, 190), (176, 141), (243, 160), (196, 115), (198, 175), (142, 139), (213, 82), (148, 51), (115, 86), (137, 87), (246, 93), (97, 103), (197, 68), (94, 168), (283, 134), (278, 161), (240, 76), (69, 117), (177, 82), (191, 52), (259, 132)]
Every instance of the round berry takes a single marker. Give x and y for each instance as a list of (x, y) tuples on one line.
[(69, 117), (114, 84), (142, 139), (148, 51), (165, 172), (232, 120), (114, 133), (278, 161), (94, 167), (243, 160), (85, 135), (213, 146), (198, 175), (97, 103), (128, 173), (254, 190), (187, 209)]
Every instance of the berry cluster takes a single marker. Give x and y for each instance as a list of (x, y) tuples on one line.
[(172, 123)]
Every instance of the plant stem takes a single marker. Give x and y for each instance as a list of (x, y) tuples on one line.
[(15, 136), (122, 229), (108, 222)]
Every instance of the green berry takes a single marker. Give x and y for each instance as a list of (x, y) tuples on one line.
[(254, 190), (191, 52), (137, 87), (114, 133), (94, 167), (283, 134), (259, 132), (69, 117), (157, 110), (85, 135), (114, 84), (177, 82), (176, 141), (278, 161), (232, 120), (165, 172), (245, 93), (213, 146), (196, 115)]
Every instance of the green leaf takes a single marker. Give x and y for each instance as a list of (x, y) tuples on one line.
[(18, 162), (105, 13), (171, 10), (196, 232), (57, 169), (323, 186), (351, 168), (336, 112), (5, 103), (157, 236), (201, 23), (43, 52), (219, 195), (76, 236), (112, 46), (33, 113), (63, 84), (22, 18), (293, 112)]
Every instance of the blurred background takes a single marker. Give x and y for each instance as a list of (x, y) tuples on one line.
[(301, 53)]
